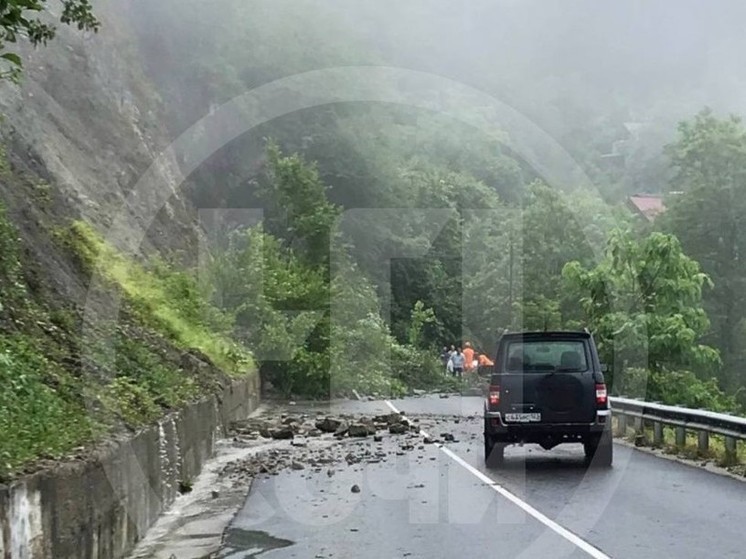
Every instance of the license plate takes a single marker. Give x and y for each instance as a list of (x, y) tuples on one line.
[(522, 417)]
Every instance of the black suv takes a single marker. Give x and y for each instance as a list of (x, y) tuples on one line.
[(548, 388)]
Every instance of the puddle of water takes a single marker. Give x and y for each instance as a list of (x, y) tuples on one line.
[(249, 544)]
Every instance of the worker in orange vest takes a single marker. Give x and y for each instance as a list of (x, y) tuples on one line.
[(485, 361), (468, 356)]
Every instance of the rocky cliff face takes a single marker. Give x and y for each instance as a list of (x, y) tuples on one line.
[(87, 123), (76, 138)]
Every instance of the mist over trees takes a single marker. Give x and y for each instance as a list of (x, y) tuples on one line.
[(610, 82)]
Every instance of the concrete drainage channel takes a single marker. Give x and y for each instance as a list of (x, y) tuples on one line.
[(194, 527)]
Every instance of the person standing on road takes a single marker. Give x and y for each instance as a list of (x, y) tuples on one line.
[(468, 356), (485, 361), (445, 355), (457, 362)]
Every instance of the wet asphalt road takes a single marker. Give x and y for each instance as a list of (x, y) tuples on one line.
[(428, 503)]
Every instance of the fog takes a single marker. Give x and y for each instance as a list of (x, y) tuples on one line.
[(579, 69), (642, 51)]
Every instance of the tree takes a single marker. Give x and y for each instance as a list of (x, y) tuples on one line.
[(420, 317), (18, 19), (302, 216), (709, 217), (516, 257), (644, 303)]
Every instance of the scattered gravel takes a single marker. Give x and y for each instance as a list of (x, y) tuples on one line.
[(309, 443)]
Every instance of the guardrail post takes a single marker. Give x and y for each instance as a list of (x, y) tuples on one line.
[(731, 456), (680, 437), (703, 442), (621, 425), (657, 433), (637, 425)]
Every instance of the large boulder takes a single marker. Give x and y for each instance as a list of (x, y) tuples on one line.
[(328, 425), (361, 430), (398, 429), (284, 432)]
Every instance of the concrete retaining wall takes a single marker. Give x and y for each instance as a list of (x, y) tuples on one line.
[(100, 509)]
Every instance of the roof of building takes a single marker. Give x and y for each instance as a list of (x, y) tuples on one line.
[(647, 205)]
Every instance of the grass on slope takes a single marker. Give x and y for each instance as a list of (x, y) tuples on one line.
[(167, 347), (167, 300)]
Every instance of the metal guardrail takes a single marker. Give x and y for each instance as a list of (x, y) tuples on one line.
[(683, 420)]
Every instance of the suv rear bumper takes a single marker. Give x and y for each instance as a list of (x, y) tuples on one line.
[(499, 431)]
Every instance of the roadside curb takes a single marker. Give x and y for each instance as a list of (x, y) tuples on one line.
[(709, 467)]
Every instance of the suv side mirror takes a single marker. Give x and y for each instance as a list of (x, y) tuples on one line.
[(604, 368)]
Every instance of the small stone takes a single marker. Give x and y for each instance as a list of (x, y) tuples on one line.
[(355, 488), (215, 494), (378, 438), (297, 465)]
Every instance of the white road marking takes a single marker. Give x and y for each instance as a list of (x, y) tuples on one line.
[(548, 522)]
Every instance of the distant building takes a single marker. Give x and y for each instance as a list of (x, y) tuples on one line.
[(649, 206)]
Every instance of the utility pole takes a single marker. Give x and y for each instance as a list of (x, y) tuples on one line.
[(510, 285)]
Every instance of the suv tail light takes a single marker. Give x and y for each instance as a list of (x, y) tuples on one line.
[(494, 397), (601, 395)]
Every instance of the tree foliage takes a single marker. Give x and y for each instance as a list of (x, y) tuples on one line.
[(315, 325), (643, 301), (709, 217)]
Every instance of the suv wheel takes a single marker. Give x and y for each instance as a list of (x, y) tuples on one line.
[(494, 453), (599, 451)]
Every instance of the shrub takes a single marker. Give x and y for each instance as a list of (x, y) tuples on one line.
[(677, 388)]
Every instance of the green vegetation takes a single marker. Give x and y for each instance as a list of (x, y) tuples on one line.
[(324, 301), (61, 390), (690, 450), (708, 217), (37, 418), (165, 299), (312, 317), (659, 299), (643, 301)]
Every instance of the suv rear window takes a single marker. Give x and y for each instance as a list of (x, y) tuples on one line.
[(546, 355)]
